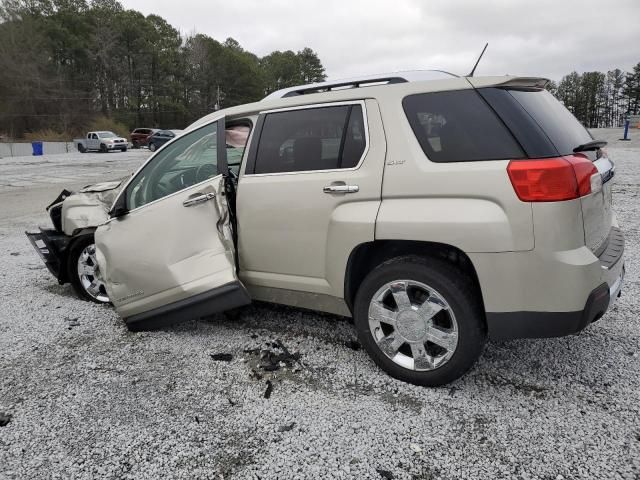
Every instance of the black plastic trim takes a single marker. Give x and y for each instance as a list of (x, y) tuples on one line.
[(523, 127), (511, 325), (54, 252), (252, 154), (221, 147), (331, 86), (613, 249), (226, 297)]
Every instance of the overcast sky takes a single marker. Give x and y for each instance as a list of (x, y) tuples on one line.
[(542, 38)]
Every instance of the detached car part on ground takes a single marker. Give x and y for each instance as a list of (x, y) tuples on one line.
[(436, 210)]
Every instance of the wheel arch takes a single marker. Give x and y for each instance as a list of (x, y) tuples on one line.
[(367, 256)]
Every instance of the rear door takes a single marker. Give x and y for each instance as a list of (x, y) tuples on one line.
[(92, 141), (167, 254), (309, 194)]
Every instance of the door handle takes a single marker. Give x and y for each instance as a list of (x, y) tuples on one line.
[(203, 197), (341, 189)]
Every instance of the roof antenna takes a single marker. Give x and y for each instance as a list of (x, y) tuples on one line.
[(478, 61)]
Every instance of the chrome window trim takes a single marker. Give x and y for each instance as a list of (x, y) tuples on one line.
[(365, 118)]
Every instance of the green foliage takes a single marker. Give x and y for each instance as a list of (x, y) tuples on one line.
[(601, 100), (48, 135), (62, 62), (101, 123), (284, 69)]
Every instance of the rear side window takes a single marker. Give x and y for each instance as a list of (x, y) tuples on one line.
[(322, 138), (558, 123), (459, 126)]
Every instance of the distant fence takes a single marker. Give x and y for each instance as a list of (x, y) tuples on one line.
[(25, 149)]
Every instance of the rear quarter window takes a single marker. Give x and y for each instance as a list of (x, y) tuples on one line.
[(459, 126), (558, 123)]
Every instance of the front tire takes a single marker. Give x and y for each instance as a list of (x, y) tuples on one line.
[(83, 271), (152, 147), (420, 320), (103, 148)]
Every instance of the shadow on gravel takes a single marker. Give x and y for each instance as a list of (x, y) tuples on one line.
[(60, 290)]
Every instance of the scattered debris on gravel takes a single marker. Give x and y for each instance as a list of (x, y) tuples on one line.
[(387, 475), (286, 428), (5, 418), (269, 389), (222, 357)]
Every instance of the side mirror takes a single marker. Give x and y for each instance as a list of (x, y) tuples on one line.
[(119, 208)]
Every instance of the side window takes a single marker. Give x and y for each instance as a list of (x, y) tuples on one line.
[(187, 161), (321, 138), (94, 136), (458, 126)]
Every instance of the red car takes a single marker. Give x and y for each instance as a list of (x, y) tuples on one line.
[(140, 136)]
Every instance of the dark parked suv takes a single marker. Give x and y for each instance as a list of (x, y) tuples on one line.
[(140, 136), (161, 137)]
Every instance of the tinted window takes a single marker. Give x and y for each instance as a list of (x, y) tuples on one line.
[(562, 128), (459, 126), (311, 139)]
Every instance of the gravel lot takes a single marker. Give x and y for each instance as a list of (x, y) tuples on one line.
[(88, 399)]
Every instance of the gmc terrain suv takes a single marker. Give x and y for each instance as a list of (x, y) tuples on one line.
[(436, 210)]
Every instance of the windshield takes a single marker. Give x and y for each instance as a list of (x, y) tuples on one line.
[(106, 134)]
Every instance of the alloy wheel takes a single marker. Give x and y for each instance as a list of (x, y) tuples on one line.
[(89, 274), (413, 325)]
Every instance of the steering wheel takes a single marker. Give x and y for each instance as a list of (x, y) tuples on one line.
[(203, 172), (160, 189)]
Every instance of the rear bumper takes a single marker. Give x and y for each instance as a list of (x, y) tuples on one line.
[(52, 247), (565, 291), (510, 325)]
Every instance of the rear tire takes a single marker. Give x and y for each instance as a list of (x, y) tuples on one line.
[(83, 271), (81, 148), (433, 333)]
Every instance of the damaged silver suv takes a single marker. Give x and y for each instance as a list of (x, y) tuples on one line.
[(436, 210)]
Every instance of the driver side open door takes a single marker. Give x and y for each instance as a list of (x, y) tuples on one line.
[(167, 252)]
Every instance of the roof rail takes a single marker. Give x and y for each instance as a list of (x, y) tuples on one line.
[(364, 81)]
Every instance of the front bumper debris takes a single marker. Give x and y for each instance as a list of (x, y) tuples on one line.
[(52, 247)]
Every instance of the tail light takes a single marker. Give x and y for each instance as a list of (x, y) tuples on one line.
[(552, 179)]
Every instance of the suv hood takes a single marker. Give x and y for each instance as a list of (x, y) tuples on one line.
[(86, 208)]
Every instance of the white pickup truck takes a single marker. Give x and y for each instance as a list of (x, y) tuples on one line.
[(101, 141)]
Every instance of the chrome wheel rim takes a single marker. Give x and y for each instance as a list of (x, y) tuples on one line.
[(413, 325), (89, 274)]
